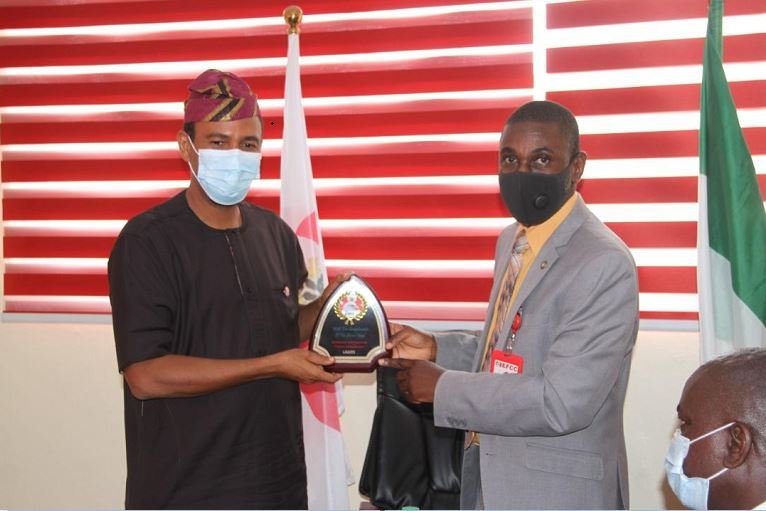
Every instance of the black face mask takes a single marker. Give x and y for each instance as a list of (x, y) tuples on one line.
[(532, 198)]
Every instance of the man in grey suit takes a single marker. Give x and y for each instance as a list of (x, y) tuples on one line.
[(540, 390)]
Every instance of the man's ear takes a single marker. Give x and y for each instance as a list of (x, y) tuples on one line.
[(185, 146), (738, 446), (578, 167)]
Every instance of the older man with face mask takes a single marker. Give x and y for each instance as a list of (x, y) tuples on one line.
[(204, 292), (717, 458)]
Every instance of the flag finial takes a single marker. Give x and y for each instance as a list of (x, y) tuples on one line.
[(293, 16)]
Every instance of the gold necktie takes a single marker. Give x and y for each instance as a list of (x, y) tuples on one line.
[(503, 301), (502, 309)]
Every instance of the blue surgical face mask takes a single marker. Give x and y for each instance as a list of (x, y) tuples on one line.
[(226, 174), (691, 491)]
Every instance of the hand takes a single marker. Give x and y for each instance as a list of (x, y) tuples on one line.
[(408, 342), (417, 378), (341, 277), (304, 366)]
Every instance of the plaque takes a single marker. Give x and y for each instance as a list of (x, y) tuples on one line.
[(352, 327)]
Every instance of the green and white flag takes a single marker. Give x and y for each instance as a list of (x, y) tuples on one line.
[(731, 272)]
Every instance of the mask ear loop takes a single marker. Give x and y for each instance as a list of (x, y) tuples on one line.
[(724, 469), (712, 432), (191, 144), (195, 152)]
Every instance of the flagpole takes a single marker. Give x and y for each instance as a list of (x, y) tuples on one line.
[(327, 471)]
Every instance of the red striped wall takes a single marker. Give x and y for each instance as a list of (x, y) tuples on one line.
[(404, 107)]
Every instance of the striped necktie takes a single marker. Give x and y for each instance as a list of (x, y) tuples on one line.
[(503, 300), (501, 310)]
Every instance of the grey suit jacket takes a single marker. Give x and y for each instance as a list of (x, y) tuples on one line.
[(552, 437)]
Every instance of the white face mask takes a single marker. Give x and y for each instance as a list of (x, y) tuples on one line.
[(691, 491), (226, 174)]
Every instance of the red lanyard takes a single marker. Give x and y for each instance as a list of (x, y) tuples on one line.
[(515, 326)]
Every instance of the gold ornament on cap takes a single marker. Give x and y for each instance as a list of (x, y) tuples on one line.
[(293, 16)]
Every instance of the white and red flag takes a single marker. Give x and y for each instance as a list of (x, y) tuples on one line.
[(328, 474)]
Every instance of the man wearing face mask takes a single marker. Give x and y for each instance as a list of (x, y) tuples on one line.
[(207, 324), (717, 458), (540, 390)]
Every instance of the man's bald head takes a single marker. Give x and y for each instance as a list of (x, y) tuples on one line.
[(737, 384), (723, 412)]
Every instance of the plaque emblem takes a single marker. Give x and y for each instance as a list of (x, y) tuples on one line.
[(350, 307)]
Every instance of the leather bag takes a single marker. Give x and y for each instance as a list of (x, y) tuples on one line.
[(409, 461)]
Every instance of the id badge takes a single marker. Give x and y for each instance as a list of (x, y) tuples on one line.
[(506, 363)]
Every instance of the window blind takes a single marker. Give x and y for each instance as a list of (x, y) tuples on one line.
[(404, 102)]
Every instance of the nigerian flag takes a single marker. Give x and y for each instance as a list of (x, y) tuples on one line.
[(731, 272)]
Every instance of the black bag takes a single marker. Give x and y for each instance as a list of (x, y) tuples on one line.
[(409, 461)]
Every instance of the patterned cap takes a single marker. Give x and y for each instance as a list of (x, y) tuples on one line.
[(219, 96)]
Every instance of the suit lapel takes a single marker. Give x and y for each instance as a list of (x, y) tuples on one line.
[(547, 258), (540, 266)]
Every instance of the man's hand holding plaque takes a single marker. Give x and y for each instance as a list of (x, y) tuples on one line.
[(352, 327)]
